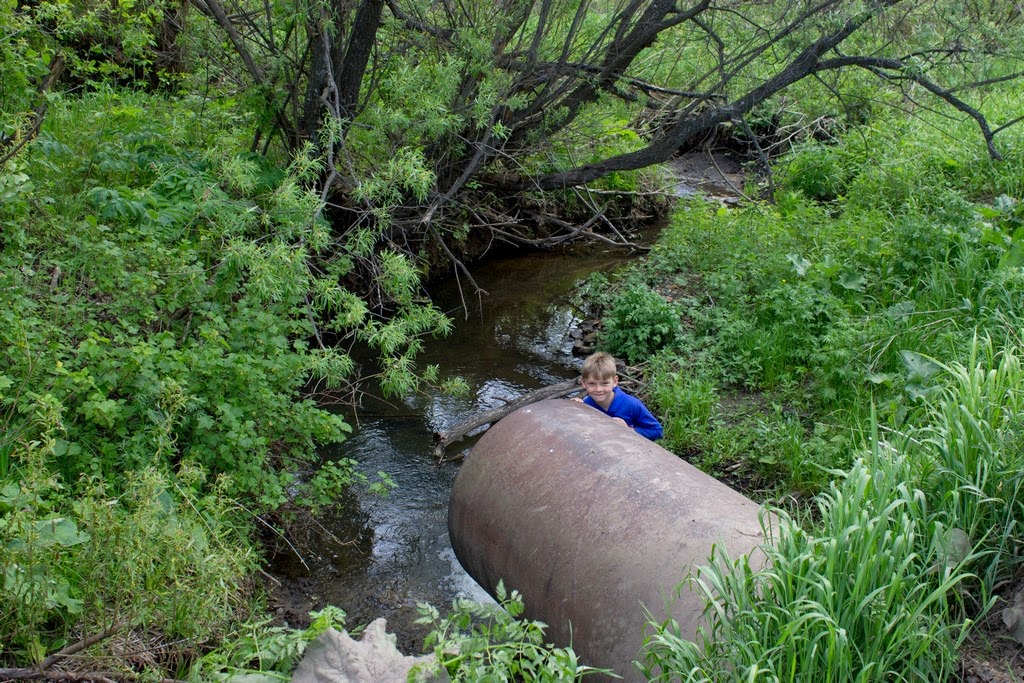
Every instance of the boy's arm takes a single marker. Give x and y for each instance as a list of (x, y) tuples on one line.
[(645, 424)]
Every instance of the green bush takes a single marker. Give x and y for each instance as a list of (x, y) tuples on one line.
[(258, 651), (170, 304), (154, 555), (640, 323), (165, 307), (817, 172)]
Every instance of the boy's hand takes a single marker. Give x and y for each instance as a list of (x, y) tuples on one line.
[(620, 421), (577, 399)]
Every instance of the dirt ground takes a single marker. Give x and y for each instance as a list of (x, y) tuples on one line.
[(991, 654), (712, 174)]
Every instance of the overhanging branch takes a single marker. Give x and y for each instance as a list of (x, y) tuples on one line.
[(880, 66)]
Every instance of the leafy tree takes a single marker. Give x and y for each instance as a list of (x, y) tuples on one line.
[(443, 126), (476, 104)]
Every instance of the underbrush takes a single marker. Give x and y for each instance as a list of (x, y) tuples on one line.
[(151, 570), (825, 307), (903, 554), (850, 356), (164, 302)]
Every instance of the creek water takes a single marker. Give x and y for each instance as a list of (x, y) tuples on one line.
[(378, 556)]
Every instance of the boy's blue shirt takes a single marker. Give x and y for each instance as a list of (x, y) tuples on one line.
[(633, 411)]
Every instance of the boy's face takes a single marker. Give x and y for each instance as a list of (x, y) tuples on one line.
[(601, 389)]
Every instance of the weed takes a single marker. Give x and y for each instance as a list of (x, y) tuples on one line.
[(477, 642), (639, 323), (865, 595)]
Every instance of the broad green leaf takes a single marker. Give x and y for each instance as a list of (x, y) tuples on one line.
[(1014, 257), (852, 281), (881, 377), (901, 310), (59, 531), (918, 366), (800, 264)]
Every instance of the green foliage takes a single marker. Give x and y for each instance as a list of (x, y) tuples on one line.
[(603, 134), (161, 320), (482, 642), (823, 298), (264, 652), (900, 557), (969, 439), (687, 404), (888, 254), (730, 433), (593, 294), (869, 596), (104, 42), (815, 172), (172, 321), (639, 323), (24, 60), (155, 555)]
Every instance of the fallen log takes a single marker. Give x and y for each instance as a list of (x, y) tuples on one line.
[(461, 430)]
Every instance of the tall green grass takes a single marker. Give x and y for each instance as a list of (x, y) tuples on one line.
[(904, 552), (970, 447), (868, 595)]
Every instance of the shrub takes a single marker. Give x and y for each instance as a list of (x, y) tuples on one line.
[(258, 651), (156, 556), (817, 172), (639, 323)]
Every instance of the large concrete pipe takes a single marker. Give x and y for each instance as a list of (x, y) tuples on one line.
[(592, 523)]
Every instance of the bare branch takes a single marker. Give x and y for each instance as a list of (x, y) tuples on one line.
[(214, 9), (880, 65)]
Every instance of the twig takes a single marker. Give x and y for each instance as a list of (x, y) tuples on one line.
[(80, 645), (39, 672), (81, 677), (9, 146)]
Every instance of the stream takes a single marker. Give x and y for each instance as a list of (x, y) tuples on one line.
[(378, 556)]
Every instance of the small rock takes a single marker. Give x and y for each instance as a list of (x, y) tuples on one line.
[(1013, 617), (336, 658)]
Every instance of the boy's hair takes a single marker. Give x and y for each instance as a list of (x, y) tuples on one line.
[(600, 365)]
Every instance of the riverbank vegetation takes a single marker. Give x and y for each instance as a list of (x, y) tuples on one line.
[(205, 207), (849, 354)]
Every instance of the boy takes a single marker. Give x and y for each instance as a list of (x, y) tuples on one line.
[(600, 379)]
